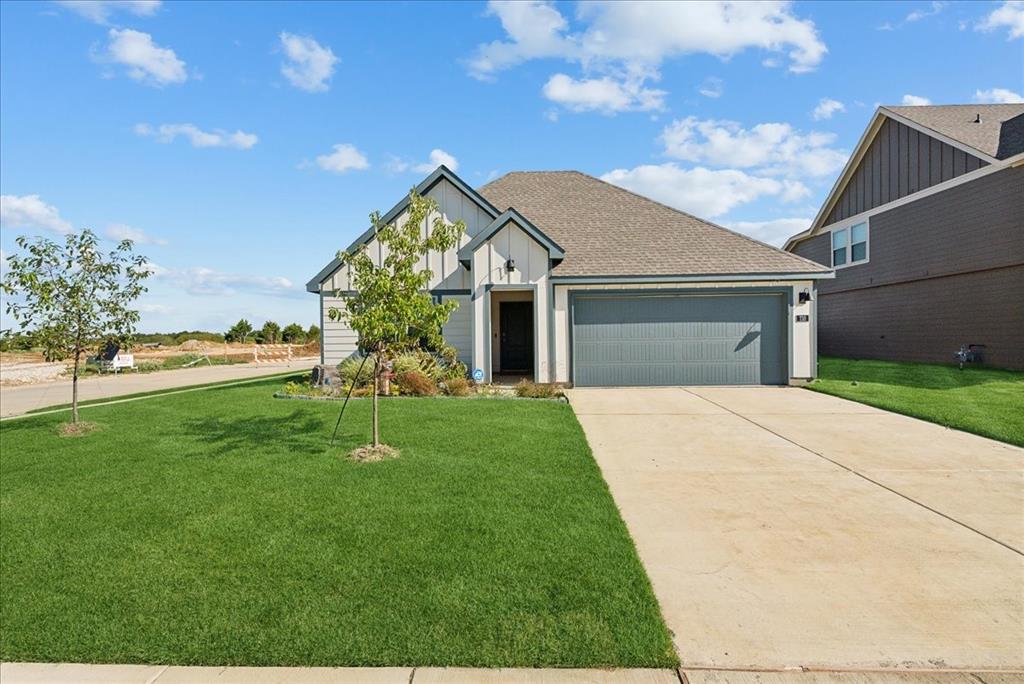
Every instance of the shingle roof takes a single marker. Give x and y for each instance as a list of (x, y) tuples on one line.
[(609, 231), (1000, 133)]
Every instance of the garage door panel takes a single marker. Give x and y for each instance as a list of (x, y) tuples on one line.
[(679, 340)]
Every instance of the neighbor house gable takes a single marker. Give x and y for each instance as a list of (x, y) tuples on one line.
[(895, 158)]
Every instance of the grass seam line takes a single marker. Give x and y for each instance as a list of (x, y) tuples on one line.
[(154, 395), (862, 475)]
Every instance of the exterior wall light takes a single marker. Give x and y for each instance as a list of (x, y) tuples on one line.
[(510, 265), (804, 296)]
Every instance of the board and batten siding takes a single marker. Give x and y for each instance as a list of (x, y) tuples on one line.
[(458, 331), (532, 269), (900, 161), (448, 273), (339, 341)]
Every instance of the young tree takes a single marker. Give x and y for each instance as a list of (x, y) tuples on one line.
[(72, 296), (239, 332), (271, 332), (293, 332), (313, 333), (391, 310)]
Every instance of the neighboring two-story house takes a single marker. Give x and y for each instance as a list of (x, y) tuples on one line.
[(925, 231)]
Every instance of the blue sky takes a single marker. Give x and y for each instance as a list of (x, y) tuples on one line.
[(243, 144)]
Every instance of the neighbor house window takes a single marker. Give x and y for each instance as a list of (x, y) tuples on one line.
[(850, 245)]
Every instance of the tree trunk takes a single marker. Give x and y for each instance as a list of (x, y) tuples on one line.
[(376, 382), (74, 390)]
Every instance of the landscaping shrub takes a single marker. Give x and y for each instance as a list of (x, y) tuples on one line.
[(405, 363), (537, 390), (348, 368), (416, 383), (457, 387)]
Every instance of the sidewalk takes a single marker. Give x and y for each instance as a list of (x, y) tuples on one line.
[(50, 673), (18, 399)]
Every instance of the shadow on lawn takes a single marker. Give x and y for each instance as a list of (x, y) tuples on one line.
[(916, 375), (299, 432)]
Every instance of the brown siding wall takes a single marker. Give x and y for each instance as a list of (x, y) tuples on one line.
[(900, 161), (817, 248), (928, 320), (944, 270)]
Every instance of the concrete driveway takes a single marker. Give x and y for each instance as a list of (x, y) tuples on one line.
[(783, 528)]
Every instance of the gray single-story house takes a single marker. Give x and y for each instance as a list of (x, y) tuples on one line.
[(562, 277), (925, 230)]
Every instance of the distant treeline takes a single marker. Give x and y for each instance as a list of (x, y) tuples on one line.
[(176, 338)]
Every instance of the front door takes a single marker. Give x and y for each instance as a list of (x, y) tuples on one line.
[(516, 337)]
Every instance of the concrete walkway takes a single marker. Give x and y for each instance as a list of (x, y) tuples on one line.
[(18, 399), (783, 528), (45, 673)]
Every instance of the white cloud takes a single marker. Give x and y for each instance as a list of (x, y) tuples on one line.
[(771, 148), (29, 211), (915, 100), (932, 10), (310, 65), (622, 44), (345, 157), (1009, 15), (120, 231), (826, 108), (700, 191), (712, 87), (166, 133), (99, 11), (647, 33), (146, 61), (605, 95), (437, 158), (774, 232), (203, 281), (148, 307), (997, 96)]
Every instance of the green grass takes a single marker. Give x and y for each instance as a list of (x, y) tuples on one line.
[(984, 401), (218, 527)]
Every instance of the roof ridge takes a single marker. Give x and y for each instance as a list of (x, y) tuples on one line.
[(960, 104), (710, 223)]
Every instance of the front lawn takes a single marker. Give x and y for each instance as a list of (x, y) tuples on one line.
[(980, 400), (217, 527)]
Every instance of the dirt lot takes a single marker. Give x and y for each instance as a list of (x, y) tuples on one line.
[(27, 368)]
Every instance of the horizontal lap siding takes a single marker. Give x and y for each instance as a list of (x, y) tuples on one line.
[(339, 340)]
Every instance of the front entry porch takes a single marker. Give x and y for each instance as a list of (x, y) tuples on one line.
[(513, 350)]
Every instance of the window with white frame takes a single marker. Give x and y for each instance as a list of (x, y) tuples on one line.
[(850, 245)]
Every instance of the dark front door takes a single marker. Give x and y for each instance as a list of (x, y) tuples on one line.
[(516, 336)]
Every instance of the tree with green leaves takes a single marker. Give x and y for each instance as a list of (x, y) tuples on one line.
[(293, 334), (239, 332), (391, 309), (313, 333), (270, 333), (72, 296)]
